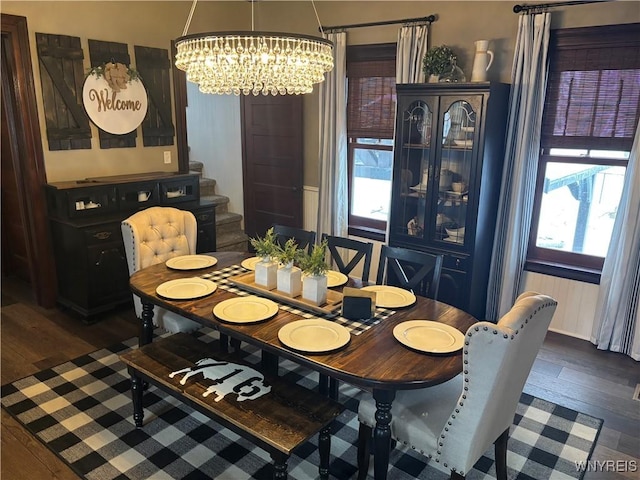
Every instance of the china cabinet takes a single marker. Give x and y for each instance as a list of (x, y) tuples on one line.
[(85, 218), (448, 157)]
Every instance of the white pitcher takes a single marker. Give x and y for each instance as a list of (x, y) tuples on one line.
[(482, 61)]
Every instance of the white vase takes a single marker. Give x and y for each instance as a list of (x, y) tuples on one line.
[(314, 289), (434, 78), (266, 274), (482, 61), (290, 280)]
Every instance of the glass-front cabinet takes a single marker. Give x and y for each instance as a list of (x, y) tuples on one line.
[(448, 156)]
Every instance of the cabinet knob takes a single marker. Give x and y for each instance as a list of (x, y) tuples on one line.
[(457, 262)]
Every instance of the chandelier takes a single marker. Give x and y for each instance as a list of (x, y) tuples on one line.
[(253, 62)]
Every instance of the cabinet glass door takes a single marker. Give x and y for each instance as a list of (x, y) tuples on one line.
[(454, 167), (415, 191)]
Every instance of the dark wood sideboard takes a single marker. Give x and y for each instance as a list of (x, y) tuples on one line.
[(85, 218)]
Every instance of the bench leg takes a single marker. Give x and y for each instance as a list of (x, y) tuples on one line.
[(364, 449), (279, 466), (136, 395), (324, 447)]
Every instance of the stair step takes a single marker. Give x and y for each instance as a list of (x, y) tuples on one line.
[(207, 186), (228, 222), (220, 202), (196, 166), (232, 242)]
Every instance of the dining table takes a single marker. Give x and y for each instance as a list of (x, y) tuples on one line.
[(373, 359)]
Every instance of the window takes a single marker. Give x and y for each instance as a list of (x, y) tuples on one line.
[(590, 116), (371, 104)]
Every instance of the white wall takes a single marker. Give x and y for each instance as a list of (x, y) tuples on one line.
[(214, 138)]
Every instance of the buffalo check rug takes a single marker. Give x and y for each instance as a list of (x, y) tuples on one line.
[(82, 411)]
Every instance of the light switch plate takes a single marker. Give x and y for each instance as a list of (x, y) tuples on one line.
[(167, 156)]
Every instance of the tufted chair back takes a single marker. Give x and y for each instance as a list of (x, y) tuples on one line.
[(497, 361), (454, 423), (155, 235)]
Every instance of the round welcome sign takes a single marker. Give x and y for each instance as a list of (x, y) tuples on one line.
[(116, 112)]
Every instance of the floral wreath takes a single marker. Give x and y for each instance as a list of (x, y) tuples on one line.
[(117, 75)]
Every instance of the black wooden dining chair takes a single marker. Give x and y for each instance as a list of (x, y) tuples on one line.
[(304, 238), (363, 252), (411, 270)]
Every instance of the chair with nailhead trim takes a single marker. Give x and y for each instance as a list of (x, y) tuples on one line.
[(155, 235), (455, 423)]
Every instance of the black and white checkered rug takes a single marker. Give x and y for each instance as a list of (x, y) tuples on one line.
[(82, 411)]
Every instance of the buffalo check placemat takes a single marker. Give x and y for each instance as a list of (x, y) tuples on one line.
[(355, 327)]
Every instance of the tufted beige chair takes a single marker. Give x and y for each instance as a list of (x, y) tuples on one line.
[(454, 423), (155, 235)]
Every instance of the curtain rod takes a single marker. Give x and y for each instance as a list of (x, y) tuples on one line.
[(430, 19), (525, 8)]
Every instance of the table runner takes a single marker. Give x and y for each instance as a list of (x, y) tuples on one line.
[(355, 327)]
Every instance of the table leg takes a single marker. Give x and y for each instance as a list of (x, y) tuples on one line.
[(382, 432), (146, 326)]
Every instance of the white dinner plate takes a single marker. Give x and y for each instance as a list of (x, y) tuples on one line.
[(459, 241), (335, 279), (191, 262), (186, 288), (428, 336), (250, 263), (249, 309), (391, 297), (314, 336)]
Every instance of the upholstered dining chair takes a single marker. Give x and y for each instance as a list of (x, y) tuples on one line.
[(454, 423), (340, 248), (304, 238), (411, 270), (155, 235)]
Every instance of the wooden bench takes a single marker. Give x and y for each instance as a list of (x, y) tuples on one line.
[(277, 421)]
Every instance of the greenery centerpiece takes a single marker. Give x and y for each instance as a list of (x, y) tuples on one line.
[(266, 269), (289, 276), (314, 283), (439, 61), (266, 246)]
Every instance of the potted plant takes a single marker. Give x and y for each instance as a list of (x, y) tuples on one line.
[(289, 278), (266, 269), (438, 61), (314, 282)]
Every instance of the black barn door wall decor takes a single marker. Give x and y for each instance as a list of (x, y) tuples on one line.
[(62, 77), (154, 67), (102, 53)]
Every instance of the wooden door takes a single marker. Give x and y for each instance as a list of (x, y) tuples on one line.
[(26, 189), (272, 162)]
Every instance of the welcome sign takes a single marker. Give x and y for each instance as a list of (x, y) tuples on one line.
[(116, 110)]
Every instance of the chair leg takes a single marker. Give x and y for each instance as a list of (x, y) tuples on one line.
[(501, 455), (456, 476), (324, 447), (364, 447)]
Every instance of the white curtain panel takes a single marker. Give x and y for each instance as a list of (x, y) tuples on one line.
[(412, 46), (333, 193), (526, 103), (617, 325)]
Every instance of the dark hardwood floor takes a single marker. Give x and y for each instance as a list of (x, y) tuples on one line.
[(568, 371)]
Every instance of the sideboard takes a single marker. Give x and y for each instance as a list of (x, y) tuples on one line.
[(85, 217)]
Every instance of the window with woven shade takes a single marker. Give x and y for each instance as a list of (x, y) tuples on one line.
[(591, 112), (371, 105)]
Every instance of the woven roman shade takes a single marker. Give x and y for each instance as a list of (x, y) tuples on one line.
[(593, 91), (372, 97)]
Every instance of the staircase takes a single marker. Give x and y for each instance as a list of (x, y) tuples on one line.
[(229, 234)]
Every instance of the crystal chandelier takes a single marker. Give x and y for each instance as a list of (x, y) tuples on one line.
[(253, 62)]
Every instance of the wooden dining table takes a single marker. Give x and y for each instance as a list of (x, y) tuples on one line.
[(373, 360)]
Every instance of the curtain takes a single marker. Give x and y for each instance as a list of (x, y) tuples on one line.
[(412, 46), (526, 103), (333, 193), (617, 325)]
